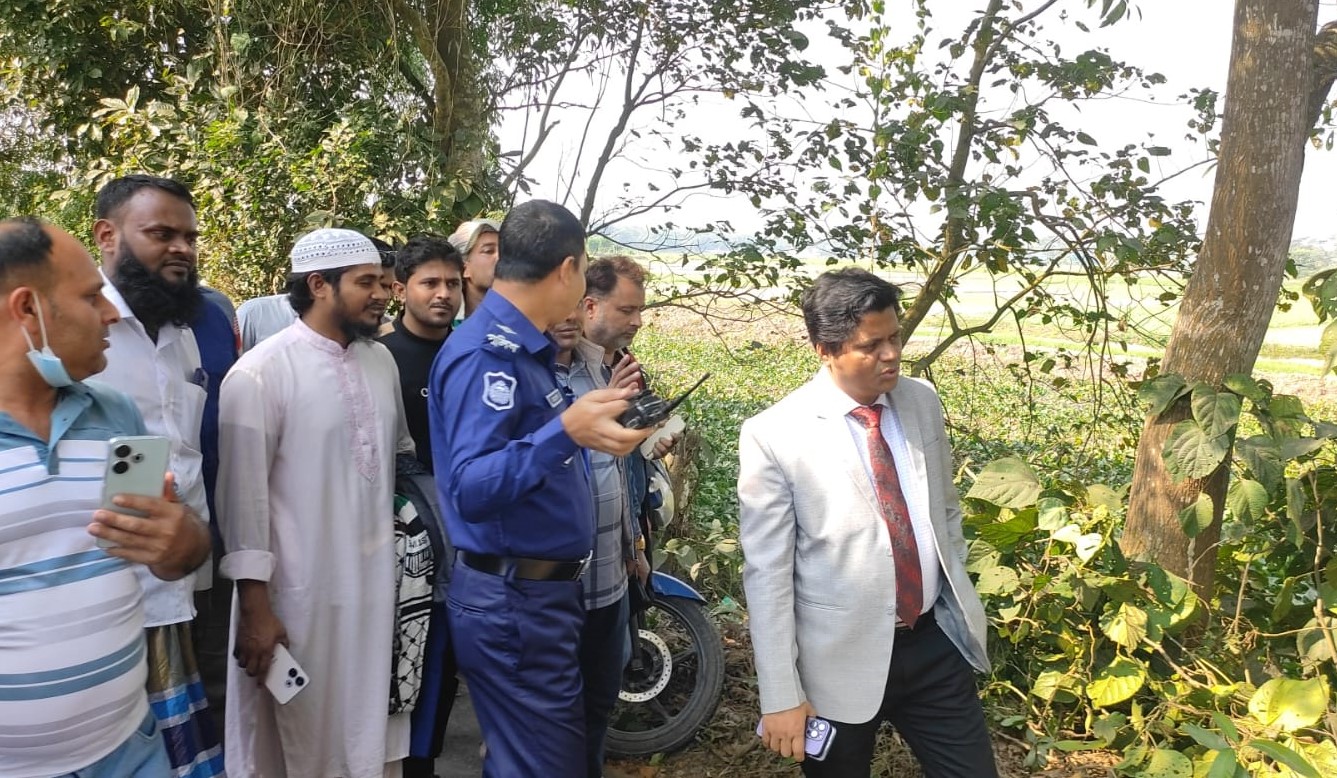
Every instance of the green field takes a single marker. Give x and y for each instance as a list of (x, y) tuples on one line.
[(1141, 329)]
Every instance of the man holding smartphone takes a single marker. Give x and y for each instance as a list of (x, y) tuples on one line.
[(310, 423), (860, 607), (72, 669)]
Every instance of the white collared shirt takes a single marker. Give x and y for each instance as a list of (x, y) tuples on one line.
[(900, 452), (166, 381)]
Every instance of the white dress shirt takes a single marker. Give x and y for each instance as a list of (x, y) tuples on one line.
[(900, 452), (166, 381)]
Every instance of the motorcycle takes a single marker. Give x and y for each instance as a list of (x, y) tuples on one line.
[(675, 678)]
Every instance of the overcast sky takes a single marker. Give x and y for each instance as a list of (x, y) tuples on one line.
[(1188, 41)]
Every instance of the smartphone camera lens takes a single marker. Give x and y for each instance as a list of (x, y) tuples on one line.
[(292, 672), (300, 682), (120, 467), (122, 451)]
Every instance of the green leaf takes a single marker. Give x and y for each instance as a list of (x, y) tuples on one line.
[(1197, 516), (1192, 453), (1117, 682), (1322, 755), (1327, 346), (1100, 494), (1290, 704), (1245, 386), (1161, 392), (1227, 727), (1247, 500), (1005, 535), (1321, 289), (1052, 514), (1286, 406), (1085, 139), (1263, 458), (1008, 483), (1217, 412), (1125, 626), (1205, 737), (1173, 594), (1053, 686), (1297, 502), (1224, 765), (1285, 756), (1294, 448), (1107, 727), (1312, 645), (1284, 600), (998, 580), (1165, 763)]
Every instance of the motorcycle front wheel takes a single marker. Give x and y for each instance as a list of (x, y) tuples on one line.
[(673, 685)]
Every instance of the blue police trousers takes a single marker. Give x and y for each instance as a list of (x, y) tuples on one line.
[(517, 645)]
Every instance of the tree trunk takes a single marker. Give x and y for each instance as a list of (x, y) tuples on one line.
[(1229, 300), (440, 31)]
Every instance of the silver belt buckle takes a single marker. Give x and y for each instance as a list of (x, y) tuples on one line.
[(584, 565)]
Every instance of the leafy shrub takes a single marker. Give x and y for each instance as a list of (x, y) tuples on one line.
[(1093, 651)]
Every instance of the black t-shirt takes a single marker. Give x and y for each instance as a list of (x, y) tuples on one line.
[(414, 357)]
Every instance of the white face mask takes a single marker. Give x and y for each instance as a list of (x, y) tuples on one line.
[(48, 365)]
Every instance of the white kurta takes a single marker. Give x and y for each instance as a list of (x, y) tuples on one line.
[(309, 432)]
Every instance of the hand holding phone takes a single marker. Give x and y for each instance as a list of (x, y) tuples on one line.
[(817, 736), (140, 519), (285, 677), (136, 466), (672, 428)]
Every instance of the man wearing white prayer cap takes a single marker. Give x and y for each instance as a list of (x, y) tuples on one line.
[(310, 423)]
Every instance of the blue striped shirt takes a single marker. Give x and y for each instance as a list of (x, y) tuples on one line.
[(72, 669)]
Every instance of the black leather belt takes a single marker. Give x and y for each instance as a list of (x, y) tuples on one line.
[(924, 621), (524, 568)]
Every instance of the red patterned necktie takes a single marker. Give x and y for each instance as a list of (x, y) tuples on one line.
[(904, 549)]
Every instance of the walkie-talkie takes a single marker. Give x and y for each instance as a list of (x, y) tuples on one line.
[(649, 409)]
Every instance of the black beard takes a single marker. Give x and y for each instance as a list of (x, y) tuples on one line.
[(154, 300), (355, 330)]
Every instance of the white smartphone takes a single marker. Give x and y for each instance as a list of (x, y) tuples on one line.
[(673, 426), (135, 465), (285, 678)]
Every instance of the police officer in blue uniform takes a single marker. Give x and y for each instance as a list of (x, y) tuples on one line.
[(515, 495)]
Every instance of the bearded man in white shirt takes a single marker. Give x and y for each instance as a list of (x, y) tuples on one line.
[(310, 423), (146, 232)]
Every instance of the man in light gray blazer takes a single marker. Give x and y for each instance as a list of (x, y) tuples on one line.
[(860, 607)]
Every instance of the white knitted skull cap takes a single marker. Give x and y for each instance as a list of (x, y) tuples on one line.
[(329, 248)]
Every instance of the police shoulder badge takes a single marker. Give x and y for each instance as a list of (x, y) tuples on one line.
[(499, 391), (501, 341)]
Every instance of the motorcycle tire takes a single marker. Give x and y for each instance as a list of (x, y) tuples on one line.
[(659, 714)]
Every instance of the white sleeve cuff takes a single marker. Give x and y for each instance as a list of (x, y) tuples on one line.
[(248, 566)]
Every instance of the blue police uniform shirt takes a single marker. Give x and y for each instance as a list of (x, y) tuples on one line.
[(511, 481)]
